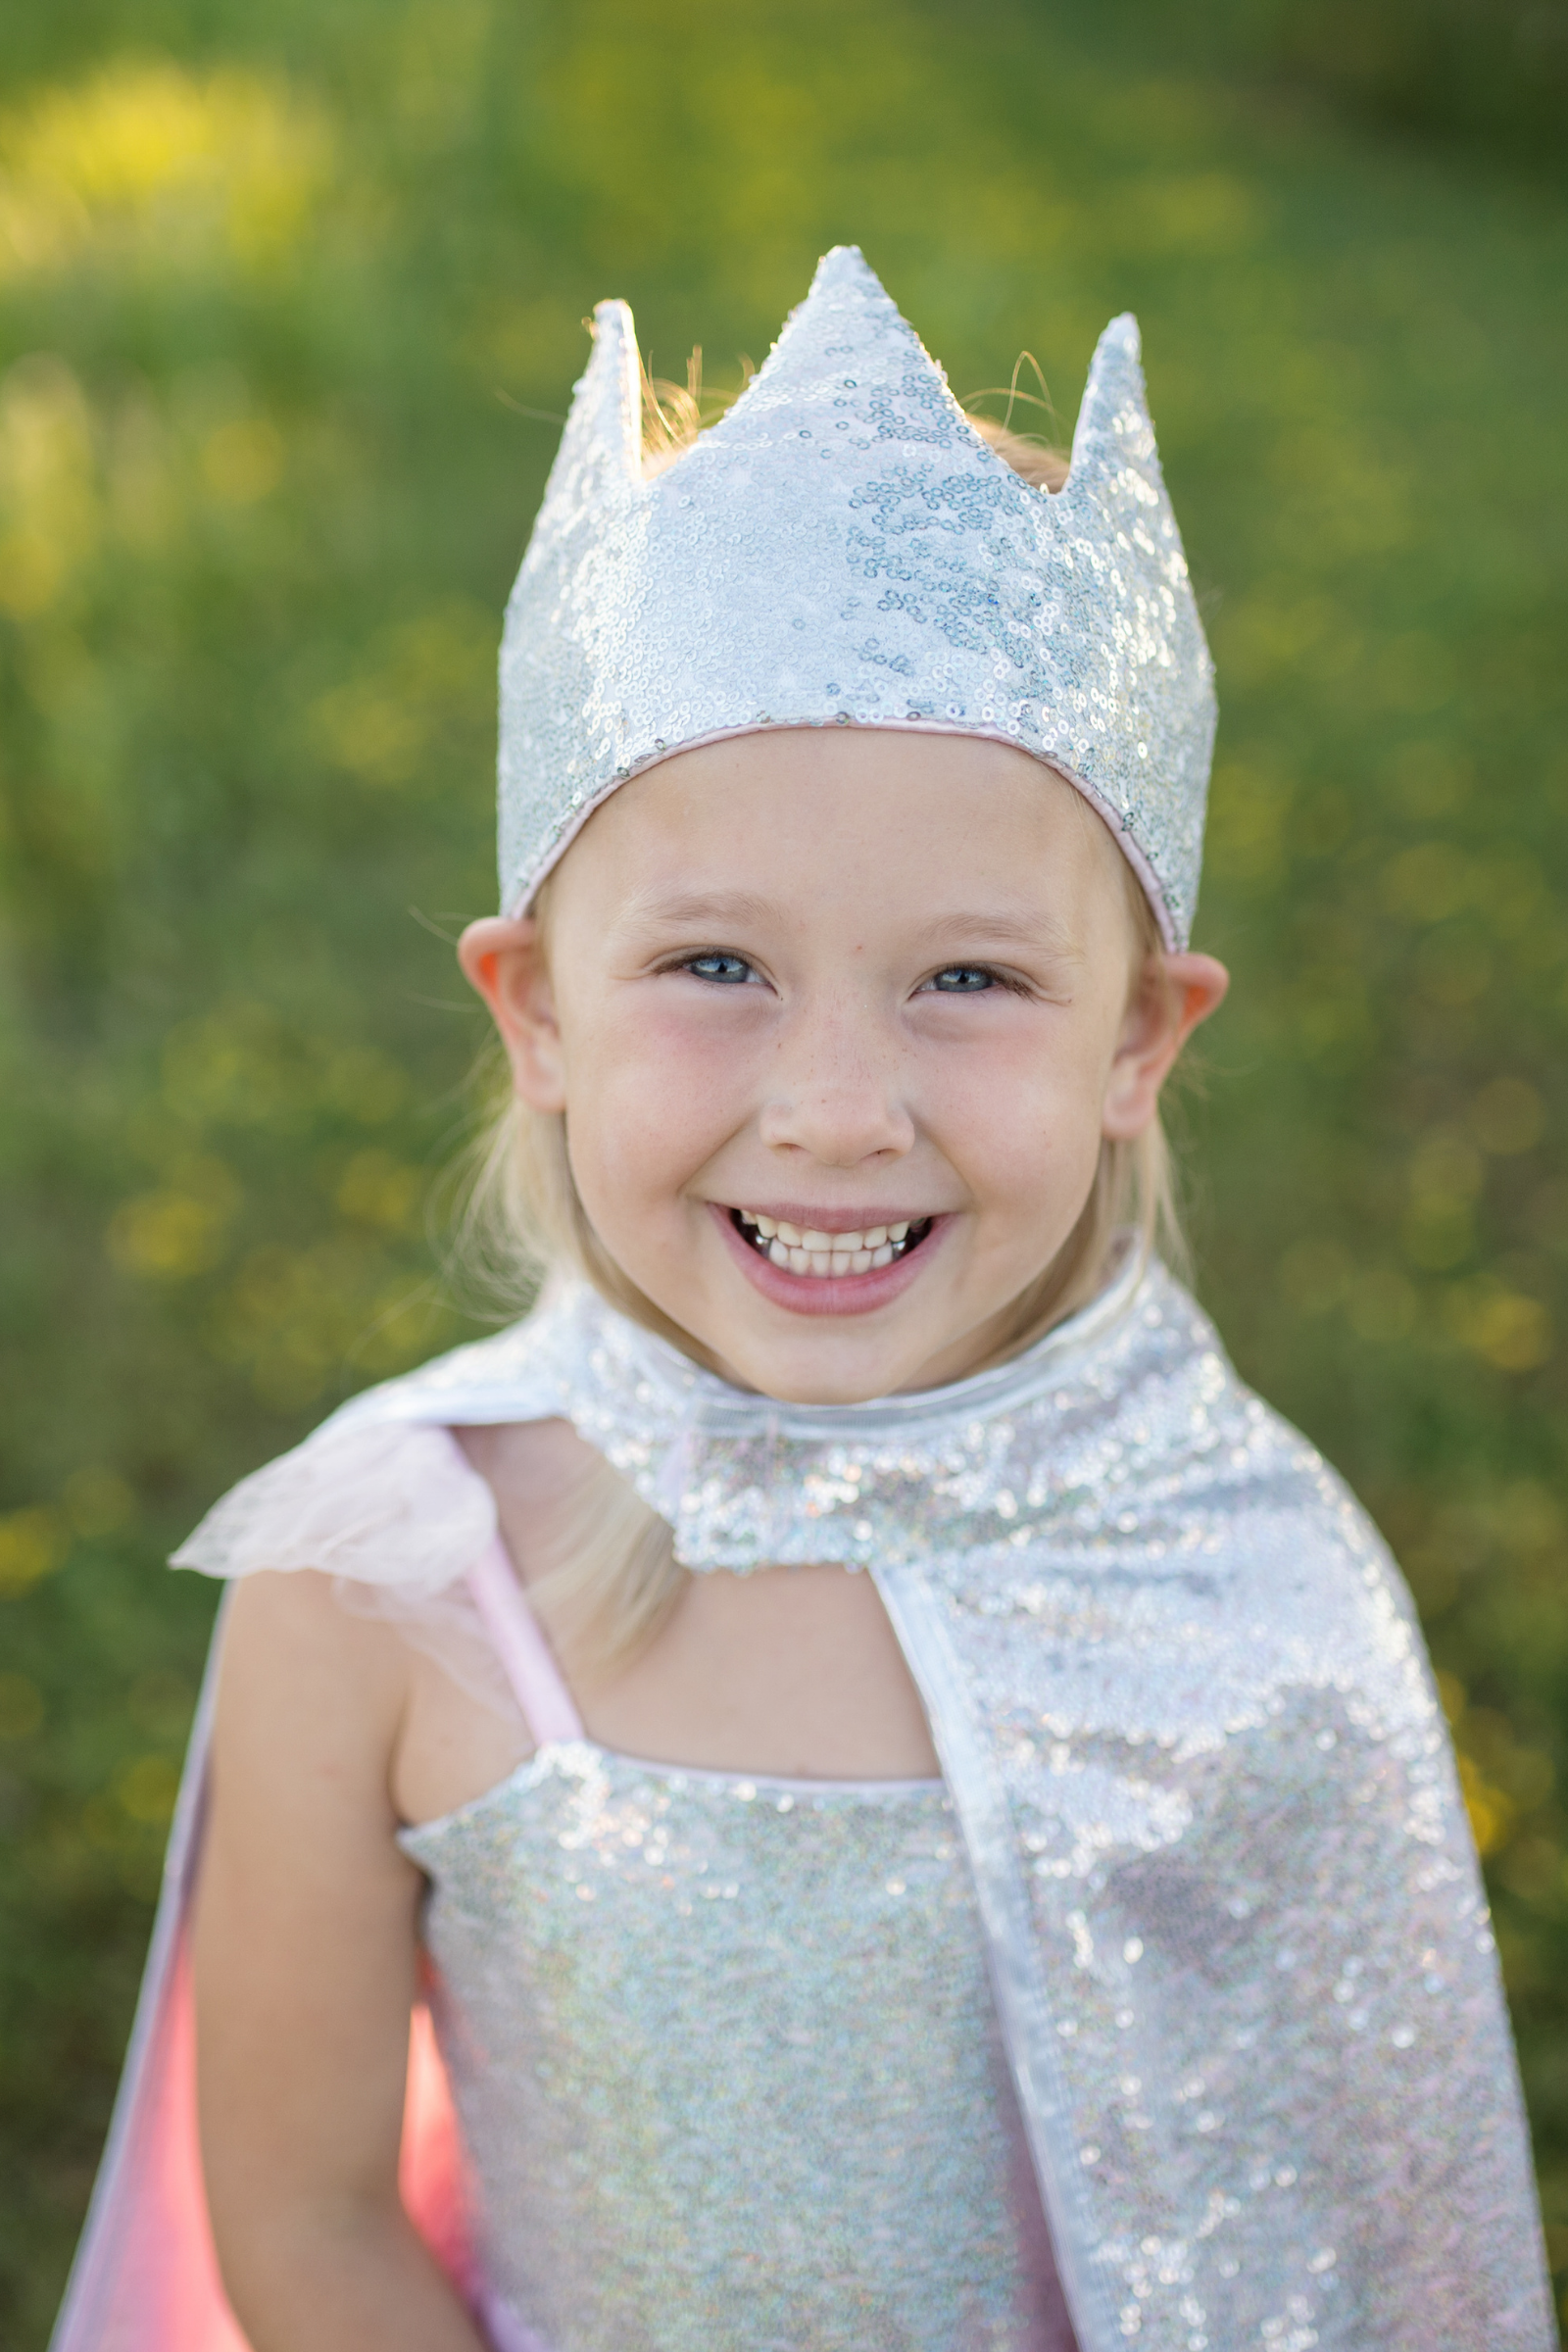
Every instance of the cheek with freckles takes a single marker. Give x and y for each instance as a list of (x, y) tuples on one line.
[(1023, 1126), (654, 1092)]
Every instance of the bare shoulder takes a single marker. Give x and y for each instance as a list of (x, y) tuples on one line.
[(294, 1625), (308, 1692), (300, 1878)]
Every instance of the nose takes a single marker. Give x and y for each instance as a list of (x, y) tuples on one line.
[(838, 1094)]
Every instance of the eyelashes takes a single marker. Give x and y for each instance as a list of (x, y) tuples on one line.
[(977, 980), (721, 967), (962, 980)]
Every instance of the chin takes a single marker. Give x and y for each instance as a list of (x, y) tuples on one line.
[(822, 1391), (822, 1375)]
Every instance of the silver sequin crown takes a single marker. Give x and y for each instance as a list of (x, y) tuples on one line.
[(843, 547)]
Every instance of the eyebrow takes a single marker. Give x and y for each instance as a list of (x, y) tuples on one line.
[(1044, 932), (684, 910)]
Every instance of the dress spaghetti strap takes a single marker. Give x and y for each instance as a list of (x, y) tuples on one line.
[(547, 1707)]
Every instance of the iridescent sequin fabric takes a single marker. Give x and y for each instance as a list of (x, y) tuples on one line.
[(727, 2066), (1238, 1938), (842, 549)]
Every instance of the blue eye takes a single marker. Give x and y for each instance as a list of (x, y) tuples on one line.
[(964, 980), (726, 969)]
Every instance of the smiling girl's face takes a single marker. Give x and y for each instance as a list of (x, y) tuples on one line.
[(838, 1022)]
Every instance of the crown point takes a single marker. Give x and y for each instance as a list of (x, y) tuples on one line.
[(843, 269), (605, 427), (911, 508), (843, 260)]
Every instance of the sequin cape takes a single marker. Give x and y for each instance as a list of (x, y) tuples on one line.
[(1237, 1939)]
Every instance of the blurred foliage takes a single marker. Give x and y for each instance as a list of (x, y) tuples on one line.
[(1490, 72), (283, 294)]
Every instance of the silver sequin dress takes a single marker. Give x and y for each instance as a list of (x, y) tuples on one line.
[(727, 2066)]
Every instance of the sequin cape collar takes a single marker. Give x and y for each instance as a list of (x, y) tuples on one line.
[(1238, 1938), (744, 1481)]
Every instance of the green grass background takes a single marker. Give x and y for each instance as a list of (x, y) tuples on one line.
[(280, 289)]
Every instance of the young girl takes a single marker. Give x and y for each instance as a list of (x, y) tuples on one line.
[(913, 1802)]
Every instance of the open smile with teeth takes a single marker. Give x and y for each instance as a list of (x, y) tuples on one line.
[(801, 1249)]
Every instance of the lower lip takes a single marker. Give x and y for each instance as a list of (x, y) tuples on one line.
[(827, 1293)]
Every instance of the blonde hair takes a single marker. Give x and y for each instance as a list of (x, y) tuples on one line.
[(608, 1577)]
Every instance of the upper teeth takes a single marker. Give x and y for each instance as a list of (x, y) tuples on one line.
[(806, 1250)]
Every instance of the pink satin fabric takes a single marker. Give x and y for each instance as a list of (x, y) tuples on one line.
[(146, 2277)]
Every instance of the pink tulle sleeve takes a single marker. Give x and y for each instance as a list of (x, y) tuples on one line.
[(393, 1505), (395, 1514)]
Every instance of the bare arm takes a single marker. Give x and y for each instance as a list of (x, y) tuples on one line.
[(304, 1973)]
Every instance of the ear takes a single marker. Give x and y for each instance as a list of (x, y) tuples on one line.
[(502, 957), (1174, 993)]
